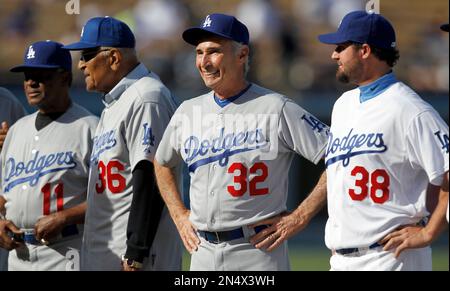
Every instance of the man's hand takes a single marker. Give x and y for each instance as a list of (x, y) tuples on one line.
[(187, 232), (127, 268), (281, 228), (3, 131), (49, 226), (6, 241), (406, 237)]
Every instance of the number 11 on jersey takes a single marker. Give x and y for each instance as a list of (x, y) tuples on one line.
[(47, 194)]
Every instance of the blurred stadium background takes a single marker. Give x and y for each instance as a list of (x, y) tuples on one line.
[(285, 57)]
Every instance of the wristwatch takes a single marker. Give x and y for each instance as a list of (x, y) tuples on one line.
[(132, 263)]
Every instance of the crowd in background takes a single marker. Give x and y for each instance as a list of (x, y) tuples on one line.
[(286, 55)]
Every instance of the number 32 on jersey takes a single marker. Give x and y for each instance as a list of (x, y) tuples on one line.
[(240, 179)]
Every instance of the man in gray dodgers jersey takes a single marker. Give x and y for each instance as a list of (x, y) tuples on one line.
[(44, 167), (238, 142), (127, 226), (10, 111)]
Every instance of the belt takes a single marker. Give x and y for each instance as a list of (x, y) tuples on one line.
[(422, 222), (216, 237), (30, 238), (354, 250)]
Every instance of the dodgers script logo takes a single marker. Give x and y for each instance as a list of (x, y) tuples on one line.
[(222, 147), (342, 149), (103, 142), (31, 171)]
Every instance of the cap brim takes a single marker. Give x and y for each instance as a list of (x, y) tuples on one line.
[(23, 68), (78, 46), (332, 38), (195, 34), (445, 27)]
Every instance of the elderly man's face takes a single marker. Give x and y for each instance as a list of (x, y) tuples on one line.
[(218, 63), (95, 66)]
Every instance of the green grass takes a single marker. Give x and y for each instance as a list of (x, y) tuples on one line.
[(317, 259)]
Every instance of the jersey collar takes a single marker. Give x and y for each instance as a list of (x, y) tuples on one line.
[(377, 87), (137, 73), (224, 102)]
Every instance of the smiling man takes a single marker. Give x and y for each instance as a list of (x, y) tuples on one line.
[(238, 142), (45, 166)]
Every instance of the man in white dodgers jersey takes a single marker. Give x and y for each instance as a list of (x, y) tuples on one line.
[(386, 147), (238, 142), (127, 226), (10, 111), (45, 167)]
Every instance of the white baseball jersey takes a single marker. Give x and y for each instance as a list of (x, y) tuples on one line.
[(238, 152), (131, 126), (381, 155), (10, 108), (10, 111), (46, 171)]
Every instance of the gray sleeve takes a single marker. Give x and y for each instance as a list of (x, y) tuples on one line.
[(302, 132), (168, 153), (145, 130)]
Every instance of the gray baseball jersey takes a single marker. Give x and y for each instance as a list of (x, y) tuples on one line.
[(239, 152), (137, 112), (43, 172), (10, 111)]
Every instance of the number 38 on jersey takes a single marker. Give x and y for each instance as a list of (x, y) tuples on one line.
[(376, 183)]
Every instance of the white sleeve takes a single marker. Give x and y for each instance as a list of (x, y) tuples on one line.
[(301, 132), (428, 145), (145, 130)]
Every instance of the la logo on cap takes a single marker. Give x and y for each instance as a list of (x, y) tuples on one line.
[(207, 22), (31, 53), (82, 31)]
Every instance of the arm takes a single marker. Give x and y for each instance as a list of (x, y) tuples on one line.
[(7, 226), (51, 225), (3, 131), (178, 212), (145, 213), (416, 236), (285, 225), (2, 207)]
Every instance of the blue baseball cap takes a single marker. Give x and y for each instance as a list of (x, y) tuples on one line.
[(45, 55), (223, 25), (104, 31), (363, 27)]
